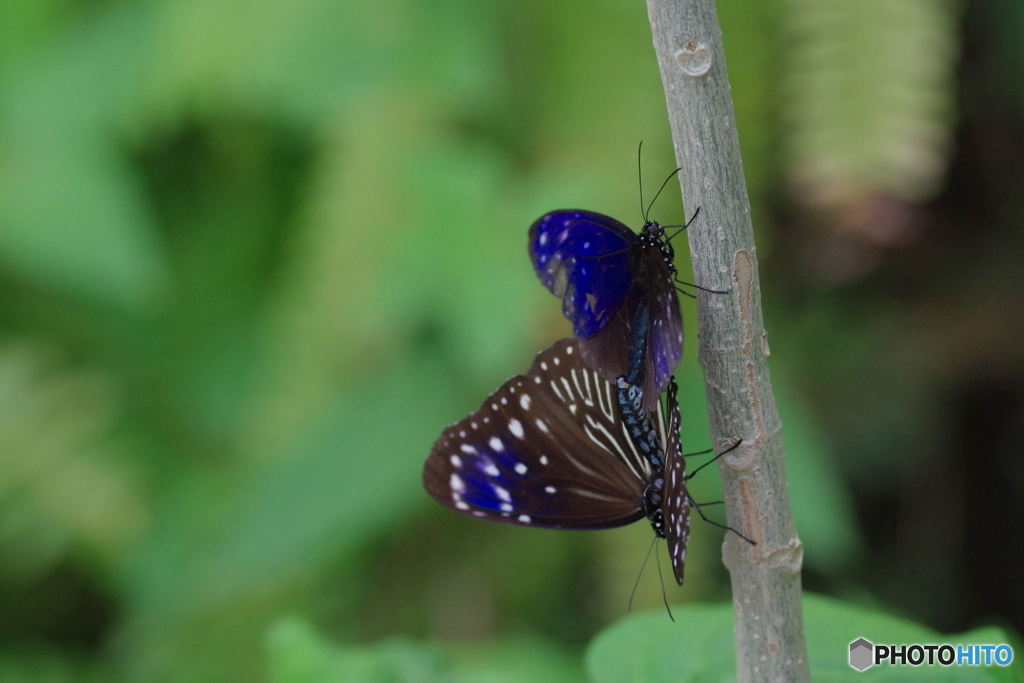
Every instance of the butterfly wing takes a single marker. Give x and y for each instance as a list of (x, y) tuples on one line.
[(607, 351), (583, 257), (546, 449), (676, 506), (665, 340), (596, 266)]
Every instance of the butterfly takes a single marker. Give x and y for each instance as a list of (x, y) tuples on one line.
[(557, 448), (602, 270)]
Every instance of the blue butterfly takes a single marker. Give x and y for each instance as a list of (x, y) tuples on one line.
[(602, 271)]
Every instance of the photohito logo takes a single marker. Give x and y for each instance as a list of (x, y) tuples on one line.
[(865, 654)]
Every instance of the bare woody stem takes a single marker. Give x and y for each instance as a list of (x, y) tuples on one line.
[(733, 347)]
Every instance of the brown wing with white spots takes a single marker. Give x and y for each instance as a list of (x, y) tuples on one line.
[(547, 449), (676, 507)]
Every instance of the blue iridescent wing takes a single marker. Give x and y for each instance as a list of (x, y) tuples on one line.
[(676, 510), (583, 257), (547, 449)]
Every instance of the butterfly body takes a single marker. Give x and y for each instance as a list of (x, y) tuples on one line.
[(602, 271), (666, 501)]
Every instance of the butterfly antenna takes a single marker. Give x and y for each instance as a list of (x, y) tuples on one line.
[(661, 579), (629, 605), (731, 448), (692, 219), (685, 293), (670, 176), (640, 179)]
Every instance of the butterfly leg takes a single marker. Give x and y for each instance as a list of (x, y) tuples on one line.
[(700, 512), (737, 441), (703, 289)]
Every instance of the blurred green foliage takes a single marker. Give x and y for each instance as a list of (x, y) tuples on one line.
[(647, 647), (254, 256)]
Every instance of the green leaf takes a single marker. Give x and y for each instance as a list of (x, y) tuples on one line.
[(649, 647), (831, 625), (298, 654), (699, 646)]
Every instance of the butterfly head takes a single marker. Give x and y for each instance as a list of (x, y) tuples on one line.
[(654, 236), (654, 496), (653, 230)]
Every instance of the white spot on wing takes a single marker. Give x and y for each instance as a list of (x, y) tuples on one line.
[(524, 401), (543, 460), (516, 427), (520, 468), (457, 485), (466, 448), (496, 444), (543, 426), (549, 489), (456, 461), (525, 519), (502, 493)]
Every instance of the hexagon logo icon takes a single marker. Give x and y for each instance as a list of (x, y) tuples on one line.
[(861, 654)]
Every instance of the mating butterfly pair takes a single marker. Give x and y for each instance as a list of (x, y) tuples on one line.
[(573, 443)]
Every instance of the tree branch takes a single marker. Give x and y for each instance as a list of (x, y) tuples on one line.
[(733, 345)]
